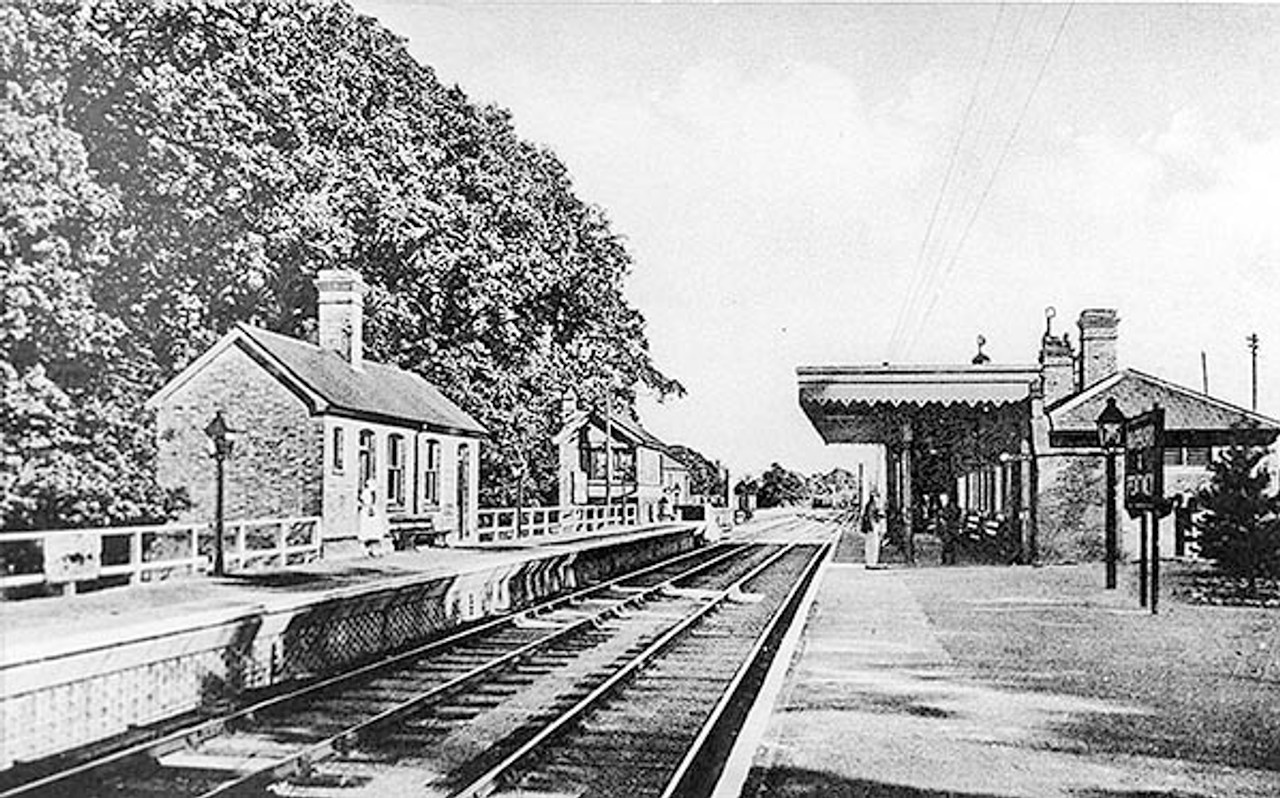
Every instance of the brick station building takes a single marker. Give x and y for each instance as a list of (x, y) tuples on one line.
[(317, 423), (1016, 446)]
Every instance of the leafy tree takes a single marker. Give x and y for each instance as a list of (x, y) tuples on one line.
[(1240, 529), (837, 487), (191, 166), (706, 477), (778, 487), (75, 445)]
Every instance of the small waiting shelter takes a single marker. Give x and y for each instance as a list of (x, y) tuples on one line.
[(1016, 447), (611, 458)]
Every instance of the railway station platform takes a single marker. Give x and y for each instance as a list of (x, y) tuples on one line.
[(76, 670), (866, 698)]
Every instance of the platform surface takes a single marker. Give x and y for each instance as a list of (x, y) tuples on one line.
[(1033, 682), (34, 628)]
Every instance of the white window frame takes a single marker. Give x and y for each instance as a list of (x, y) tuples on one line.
[(338, 455), (396, 465), (431, 472)]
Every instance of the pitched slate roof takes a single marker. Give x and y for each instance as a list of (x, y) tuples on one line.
[(1190, 418), (377, 392)]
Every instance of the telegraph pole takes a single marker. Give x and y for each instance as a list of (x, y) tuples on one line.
[(1252, 340)]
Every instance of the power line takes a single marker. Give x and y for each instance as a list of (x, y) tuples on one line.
[(917, 272), (985, 144), (1044, 64), (972, 167)]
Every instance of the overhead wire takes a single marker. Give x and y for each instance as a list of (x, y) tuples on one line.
[(917, 270), (988, 86), (974, 167), (1004, 153), (992, 121)]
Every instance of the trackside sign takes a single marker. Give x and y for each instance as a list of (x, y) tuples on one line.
[(1144, 462)]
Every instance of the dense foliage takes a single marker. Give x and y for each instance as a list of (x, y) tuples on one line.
[(836, 488), (1240, 528), (779, 486), (172, 169), (706, 477)]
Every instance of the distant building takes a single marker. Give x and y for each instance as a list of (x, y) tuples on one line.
[(317, 423), (644, 472), (1017, 445)]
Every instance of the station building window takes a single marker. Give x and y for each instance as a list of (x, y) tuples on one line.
[(367, 458), (395, 470), (431, 473), (338, 455), (592, 461), (1187, 455), (624, 465)]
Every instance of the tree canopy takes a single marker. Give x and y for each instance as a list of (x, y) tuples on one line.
[(780, 486), (706, 477), (170, 170)]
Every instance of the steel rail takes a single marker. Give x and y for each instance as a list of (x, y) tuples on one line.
[(805, 583), (300, 761), (484, 783), (185, 738)]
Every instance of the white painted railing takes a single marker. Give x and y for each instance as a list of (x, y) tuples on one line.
[(149, 553), (496, 524)]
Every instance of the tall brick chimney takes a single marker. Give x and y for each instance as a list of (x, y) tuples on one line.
[(1057, 362), (1097, 345), (342, 314)]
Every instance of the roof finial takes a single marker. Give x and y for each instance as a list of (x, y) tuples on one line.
[(981, 357), (1049, 313)]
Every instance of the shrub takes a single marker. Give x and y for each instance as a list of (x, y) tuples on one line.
[(1240, 528)]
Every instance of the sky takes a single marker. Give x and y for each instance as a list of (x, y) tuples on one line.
[(829, 184)]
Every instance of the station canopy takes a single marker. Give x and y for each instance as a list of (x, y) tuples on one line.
[(869, 404)]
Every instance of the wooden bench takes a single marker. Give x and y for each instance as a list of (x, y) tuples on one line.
[(408, 532)]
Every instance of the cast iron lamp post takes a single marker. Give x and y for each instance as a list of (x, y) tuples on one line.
[(1111, 438), (223, 438)]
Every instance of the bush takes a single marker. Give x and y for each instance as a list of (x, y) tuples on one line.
[(1240, 528)]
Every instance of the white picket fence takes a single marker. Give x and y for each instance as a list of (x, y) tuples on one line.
[(498, 524), (147, 553)]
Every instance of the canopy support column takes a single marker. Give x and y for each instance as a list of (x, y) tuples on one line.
[(908, 499)]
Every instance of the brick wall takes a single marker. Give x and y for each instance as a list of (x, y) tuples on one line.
[(275, 468)]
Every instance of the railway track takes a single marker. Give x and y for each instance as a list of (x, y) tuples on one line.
[(461, 715), (661, 725)]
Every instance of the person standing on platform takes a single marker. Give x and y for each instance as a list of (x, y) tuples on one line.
[(950, 519), (373, 528), (871, 519)]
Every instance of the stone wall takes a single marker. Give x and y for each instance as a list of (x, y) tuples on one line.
[(1072, 510), (1071, 505)]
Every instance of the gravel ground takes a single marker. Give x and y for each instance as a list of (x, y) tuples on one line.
[(999, 681)]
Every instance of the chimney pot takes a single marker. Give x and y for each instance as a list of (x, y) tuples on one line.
[(1057, 367), (1098, 336), (341, 312)]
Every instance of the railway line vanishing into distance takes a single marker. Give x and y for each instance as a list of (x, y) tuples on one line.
[(636, 686)]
